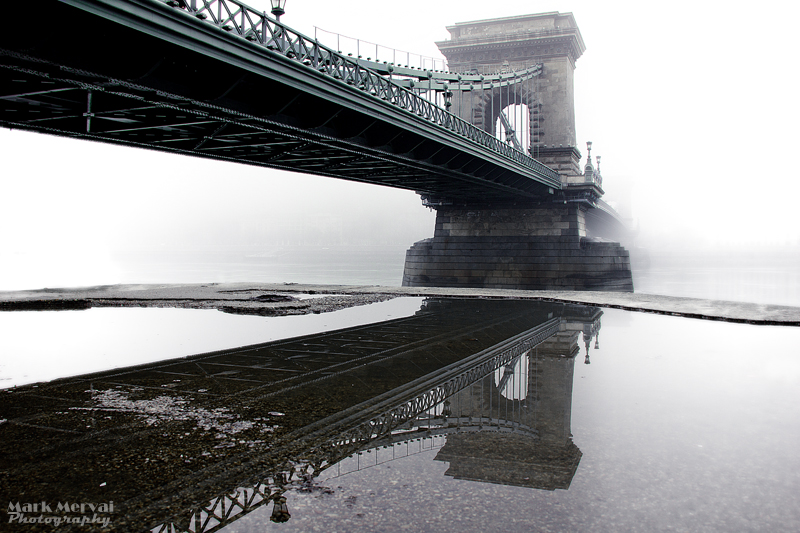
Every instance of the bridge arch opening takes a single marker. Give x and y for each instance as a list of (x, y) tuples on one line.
[(511, 380), (511, 114), (514, 123)]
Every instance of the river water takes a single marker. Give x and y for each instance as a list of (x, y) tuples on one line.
[(683, 426), (771, 277), (674, 424)]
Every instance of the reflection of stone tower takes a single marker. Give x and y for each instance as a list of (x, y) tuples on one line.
[(521, 440), (552, 39), (514, 426)]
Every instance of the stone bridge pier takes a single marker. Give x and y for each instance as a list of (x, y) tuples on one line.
[(538, 248), (552, 242)]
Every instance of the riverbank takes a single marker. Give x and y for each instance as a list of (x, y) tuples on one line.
[(278, 299)]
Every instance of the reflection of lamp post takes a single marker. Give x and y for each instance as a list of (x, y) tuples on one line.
[(278, 8), (587, 339), (280, 511)]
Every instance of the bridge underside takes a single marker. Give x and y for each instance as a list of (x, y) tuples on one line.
[(143, 74), (153, 77)]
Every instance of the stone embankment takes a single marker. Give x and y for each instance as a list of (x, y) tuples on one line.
[(275, 299)]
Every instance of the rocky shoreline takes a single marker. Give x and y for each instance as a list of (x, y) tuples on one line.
[(275, 299), (248, 301)]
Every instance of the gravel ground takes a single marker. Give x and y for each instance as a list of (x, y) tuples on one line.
[(296, 299)]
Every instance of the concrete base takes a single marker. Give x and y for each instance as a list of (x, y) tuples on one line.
[(542, 248)]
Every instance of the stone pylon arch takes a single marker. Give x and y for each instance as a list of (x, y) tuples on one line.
[(495, 100), (514, 43)]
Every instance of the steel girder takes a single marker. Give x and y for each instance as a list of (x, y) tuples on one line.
[(270, 97)]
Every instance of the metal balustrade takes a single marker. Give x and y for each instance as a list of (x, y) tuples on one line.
[(237, 18)]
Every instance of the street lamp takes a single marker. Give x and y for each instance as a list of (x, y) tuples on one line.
[(589, 174), (278, 8)]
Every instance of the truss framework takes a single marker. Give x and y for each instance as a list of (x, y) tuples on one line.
[(447, 156)]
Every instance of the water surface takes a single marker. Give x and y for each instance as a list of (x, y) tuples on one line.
[(675, 424)]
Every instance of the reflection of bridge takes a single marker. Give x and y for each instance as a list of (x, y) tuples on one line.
[(220, 80), (246, 425)]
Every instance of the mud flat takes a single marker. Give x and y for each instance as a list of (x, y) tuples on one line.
[(275, 299)]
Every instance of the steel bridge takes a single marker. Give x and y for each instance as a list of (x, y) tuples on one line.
[(218, 79), (202, 440)]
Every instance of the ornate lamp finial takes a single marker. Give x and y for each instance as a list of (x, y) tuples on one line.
[(278, 8)]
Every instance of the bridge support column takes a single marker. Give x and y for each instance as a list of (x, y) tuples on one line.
[(537, 248)]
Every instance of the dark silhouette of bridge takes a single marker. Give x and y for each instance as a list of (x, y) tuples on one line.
[(220, 80), (231, 83), (198, 442)]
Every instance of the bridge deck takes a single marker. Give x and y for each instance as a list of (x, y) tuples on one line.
[(143, 74)]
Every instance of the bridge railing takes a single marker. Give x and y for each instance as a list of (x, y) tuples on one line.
[(236, 17)]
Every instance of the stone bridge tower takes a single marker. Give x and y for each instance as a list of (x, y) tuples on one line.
[(544, 244), (514, 43)]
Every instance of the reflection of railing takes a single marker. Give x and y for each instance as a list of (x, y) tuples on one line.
[(223, 510), (373, 424), (230, 506), (235, 17), (392, 410), (379, 455)]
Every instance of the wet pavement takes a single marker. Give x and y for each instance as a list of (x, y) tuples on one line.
[(250, 298), (471, 414), (162, 438)]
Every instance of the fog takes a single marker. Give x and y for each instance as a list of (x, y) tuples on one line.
[(692, 108)]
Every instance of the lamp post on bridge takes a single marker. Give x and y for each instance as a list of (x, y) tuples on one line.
[(278, 8), (588, 170)]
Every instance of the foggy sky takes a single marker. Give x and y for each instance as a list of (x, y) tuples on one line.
[(692, 108)]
